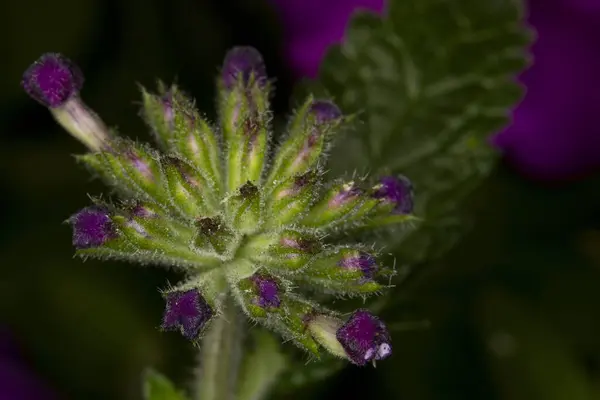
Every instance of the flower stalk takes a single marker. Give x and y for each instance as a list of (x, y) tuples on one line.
[(221, 356)]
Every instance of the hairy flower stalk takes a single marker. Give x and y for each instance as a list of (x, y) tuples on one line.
[(248, 224)]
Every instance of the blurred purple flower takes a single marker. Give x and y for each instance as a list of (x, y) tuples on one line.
[(311, 26), (555, 133), (17, 381)]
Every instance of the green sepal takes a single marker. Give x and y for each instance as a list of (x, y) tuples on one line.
[(245, 208), (179, 128), (323, 329), (131, 168), (291, 252), (147, 257), (156, 113), (190, 191), (158, 223), (196, 141), (327, 272), (358, 287), (158, 387), (141, 164), (338, 203), (304, 146), (138, 238), (293, 323), (290, 199), (381, 221), (107, 167), (327, 265), (256, 129), (245, 116), (256, 247)]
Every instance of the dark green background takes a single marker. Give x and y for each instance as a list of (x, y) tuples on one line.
[(514, 309)]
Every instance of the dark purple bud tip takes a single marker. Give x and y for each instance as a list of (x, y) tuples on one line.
[(52, 80), (92, 227), (359, 260), (186, 312), (396, 190), (365, 338), (243, 62), (325, 111), (248, 190), (308, 178), (267, 291)]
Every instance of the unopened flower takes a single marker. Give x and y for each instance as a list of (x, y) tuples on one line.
[(267, 291), (397, 191), (365, 338), (325, 111), (55, 82), (92, 227), (187, 312), (247, 223), (243, 63), (52, 80)]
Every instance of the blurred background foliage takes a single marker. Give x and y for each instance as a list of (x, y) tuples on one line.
[(514, 308)]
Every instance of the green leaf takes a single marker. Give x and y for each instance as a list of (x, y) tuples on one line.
[(430, 82), (159, 387)]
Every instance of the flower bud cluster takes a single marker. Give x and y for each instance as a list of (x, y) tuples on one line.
[(244, 220)]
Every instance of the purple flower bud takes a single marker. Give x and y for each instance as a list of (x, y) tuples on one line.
[(92, 227), (359, 260), (364, 337), (187, 312), (348, 193), (243, 61), (396, 190), (325, 111), (52, 80), (268, 291)]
